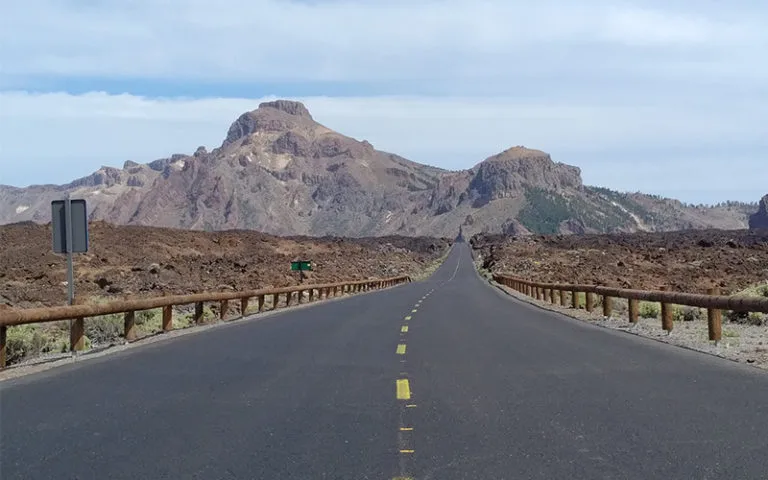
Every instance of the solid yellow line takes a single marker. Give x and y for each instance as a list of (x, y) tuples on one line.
[(406, 429), (400, 349), (406, 451), (403, 389), (407, 318), (404, 329)]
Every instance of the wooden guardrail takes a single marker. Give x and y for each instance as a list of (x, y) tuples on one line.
[(715, 303), (78, 313)]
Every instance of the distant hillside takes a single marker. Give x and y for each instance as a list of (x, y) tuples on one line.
[(281, 172)]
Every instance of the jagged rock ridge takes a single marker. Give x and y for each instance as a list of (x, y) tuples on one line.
[(281, 172)]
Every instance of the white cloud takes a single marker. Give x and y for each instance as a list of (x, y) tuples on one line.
[(607, 85), (57, 137), (373, 40)]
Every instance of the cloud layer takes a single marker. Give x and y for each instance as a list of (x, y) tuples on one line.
[(665, 97)]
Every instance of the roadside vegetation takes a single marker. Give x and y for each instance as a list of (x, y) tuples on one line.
[(33, 340)]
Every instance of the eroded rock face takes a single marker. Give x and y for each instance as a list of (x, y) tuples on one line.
[(281, 172), (760, 219), (510, 172)]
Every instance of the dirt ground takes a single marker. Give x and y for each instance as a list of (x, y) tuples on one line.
[(689, 261), (144, 261)]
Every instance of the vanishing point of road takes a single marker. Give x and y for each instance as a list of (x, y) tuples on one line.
[(444, 379)]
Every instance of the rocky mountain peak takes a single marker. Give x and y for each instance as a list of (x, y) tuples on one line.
[(288, 106), (520, 153), (760, 219), (274, 117), (510, 172)]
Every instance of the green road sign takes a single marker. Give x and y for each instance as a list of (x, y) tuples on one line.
[(301, 265)]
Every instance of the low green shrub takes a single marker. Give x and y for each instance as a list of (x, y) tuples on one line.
[(687, 314), (649, 310)]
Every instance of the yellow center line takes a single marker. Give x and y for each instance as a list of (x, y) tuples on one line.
[(407, 451), (404, 329), (400, 349), (407, 318), (414, 310), (412, 405), (403, 389), (406, 429)]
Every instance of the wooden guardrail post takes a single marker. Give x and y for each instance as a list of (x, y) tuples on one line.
[(288, 299), (590, 304), (714, 319), (77, 335), (260, 303), (547, 294), (666, 315), (275, 299), (562, 298), (311, 295), (607, 306), (3, 341), (634, 310), (198, 317), (129, 326), (168, 318), (244, 305), (223, 307), (574, 299)]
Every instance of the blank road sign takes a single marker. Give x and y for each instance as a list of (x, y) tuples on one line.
[(79, 226)]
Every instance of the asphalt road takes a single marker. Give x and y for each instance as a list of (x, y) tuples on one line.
[(478, 386)]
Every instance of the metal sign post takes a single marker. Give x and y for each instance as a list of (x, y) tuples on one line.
[(70, 263), (69, 220)]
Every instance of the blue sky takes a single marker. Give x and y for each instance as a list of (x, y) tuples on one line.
[(662, 97)]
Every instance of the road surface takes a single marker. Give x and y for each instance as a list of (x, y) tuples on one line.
[(473, 385)]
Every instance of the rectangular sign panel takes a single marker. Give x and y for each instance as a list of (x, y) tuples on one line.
[(301, 266), (79, 226)]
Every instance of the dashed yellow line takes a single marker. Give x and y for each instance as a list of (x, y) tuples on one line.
[(400, 349), (414, 310), (406, 429), (403, 389), (411, 405), (407, 318), (407, 451), (404, 329)]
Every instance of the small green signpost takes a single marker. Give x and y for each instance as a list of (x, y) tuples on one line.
[(301, 265)]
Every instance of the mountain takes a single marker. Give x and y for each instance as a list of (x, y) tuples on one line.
[(281, 172), (760, 218)]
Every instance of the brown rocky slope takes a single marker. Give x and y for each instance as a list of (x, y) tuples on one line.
[(281, 172), (689, 261), (149, 261)]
